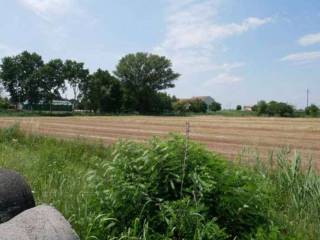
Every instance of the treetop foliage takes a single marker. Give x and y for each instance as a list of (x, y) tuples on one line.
[(146, 71), (18, 76), (312, 110), (142, 76)]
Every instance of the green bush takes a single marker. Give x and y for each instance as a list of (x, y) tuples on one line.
[(181, 106), (149, 188), (215, 106), (4, 103), (260, 107), (194, 105), (162, 103), (274, 108), (198, 106), (313, 110)]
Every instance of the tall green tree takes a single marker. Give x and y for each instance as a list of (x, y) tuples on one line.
[(215, 106), (197, 105), (51, 76), (18, 76), (261, 107), (103, 92), (312, 110), (76, 75), (143, 75)]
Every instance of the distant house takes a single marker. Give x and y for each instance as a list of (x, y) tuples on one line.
[(56, 105), (247, 108), (206, 99)]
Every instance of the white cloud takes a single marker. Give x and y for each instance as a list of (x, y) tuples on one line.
[(48, 9), (194, 38), (302, 57), (309, 39), (192, 25)]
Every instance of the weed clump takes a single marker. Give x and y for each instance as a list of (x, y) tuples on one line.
[(147, 192)]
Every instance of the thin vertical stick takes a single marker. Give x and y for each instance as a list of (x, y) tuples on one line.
[(187, 136)]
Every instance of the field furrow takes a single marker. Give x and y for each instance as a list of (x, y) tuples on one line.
[(225, 135)]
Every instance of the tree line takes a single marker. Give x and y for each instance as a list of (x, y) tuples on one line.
[(274, 108), (195, 105), (136, 85)]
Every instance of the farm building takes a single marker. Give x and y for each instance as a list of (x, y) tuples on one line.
[(247, 108), (56, 105), (206, 99)]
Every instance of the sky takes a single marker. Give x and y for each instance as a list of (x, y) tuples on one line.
[(237, 51)]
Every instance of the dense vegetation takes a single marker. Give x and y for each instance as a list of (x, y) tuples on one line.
[(312, 110), (194, 105), (274, 108), (280, 109), (166, 189), (134, 87)]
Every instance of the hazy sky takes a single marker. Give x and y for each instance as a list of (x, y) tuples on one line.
[(237, 51)]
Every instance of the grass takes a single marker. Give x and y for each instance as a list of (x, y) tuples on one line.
[(234, 113), (14, 113), (226, 113), (136, 191), (55, 169)]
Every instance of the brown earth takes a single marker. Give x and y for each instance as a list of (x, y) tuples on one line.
[(226, 135)]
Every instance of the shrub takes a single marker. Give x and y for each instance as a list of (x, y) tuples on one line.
[(215, 106), (4, 103), (260, 107), (198, 106), (153, 189), (195, 105), (181, 106), (274, 108), (239, 108), (279, 109), (313, 110)]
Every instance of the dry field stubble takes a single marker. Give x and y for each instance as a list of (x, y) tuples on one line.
[(225, 135)]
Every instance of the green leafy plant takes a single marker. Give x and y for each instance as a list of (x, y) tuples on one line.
[(143, 183)]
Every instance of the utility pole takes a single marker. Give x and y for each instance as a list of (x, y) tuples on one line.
[(307, 97)]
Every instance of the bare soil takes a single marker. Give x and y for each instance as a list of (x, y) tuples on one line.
[(226, 135)]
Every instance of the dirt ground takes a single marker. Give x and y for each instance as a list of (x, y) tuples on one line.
[(226, 135)]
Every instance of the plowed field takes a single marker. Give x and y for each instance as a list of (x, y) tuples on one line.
[(226, 135)]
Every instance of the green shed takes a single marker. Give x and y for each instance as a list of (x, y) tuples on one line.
[(56, 105)]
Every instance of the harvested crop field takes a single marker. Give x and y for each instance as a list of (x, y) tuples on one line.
[(226, 135)]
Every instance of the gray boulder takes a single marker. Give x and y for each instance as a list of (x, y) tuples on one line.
[(39, 223), (15, 195)]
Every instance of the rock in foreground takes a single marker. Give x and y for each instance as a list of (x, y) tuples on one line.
[(39, 223), (15, 195)]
